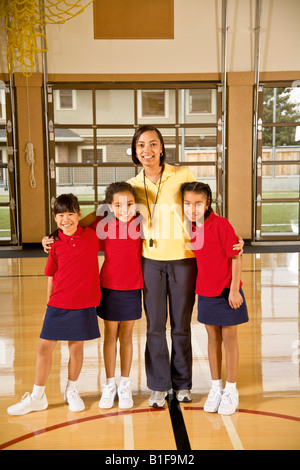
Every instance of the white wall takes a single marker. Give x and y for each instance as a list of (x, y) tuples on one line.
[(196, 47)]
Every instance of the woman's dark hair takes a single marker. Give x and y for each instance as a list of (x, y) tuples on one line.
[(199, 188), (136, 137), (64, 203)]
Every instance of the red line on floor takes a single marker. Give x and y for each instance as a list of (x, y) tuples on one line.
[(254, 412), (75, 421), (118, 413)]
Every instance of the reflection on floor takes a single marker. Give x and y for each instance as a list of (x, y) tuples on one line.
[(269, 373)]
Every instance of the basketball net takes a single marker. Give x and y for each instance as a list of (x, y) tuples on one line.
[(25, 22)]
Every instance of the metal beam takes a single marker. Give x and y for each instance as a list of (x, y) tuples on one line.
[(257, 50), (224, 99)]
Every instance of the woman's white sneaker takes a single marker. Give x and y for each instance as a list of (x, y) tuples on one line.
[(107, 399), (229, 402), (28, 404), (213, 400), (125, 396), (76, 403)]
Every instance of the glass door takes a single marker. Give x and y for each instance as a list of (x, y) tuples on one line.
[(9, 232), (278, 163), (90, 128)]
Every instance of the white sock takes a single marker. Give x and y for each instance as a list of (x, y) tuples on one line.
[(124, 381), (111, 381), (38, 391), (217, 383), (71, 385), (230, 386)]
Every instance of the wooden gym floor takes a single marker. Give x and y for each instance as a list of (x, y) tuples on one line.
[(268, 416)]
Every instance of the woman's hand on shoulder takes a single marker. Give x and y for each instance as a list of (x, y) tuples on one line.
[(47, 242)]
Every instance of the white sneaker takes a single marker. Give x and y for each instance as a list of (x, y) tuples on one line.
[(157, 399), (213, 400), (107, 399), (76, 404), (229, 402), (125, 396), (27, 404), (183, 395)]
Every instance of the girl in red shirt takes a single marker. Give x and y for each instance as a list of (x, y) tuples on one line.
[(73, 294), (121, 279), (221, 302)]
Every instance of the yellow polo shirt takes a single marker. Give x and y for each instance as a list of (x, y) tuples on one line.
[(167, 231)]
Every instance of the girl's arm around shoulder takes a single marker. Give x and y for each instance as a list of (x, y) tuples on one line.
[(239, 246), (52, 262), (232, 242), (47, 244), (88, 220)]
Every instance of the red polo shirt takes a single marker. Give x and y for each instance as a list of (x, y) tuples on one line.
[(73, 264), (213, 247), (122, 246)]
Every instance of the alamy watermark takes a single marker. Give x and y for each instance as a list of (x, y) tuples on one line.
[(161, 222)]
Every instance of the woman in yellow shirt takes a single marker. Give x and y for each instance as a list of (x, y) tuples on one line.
[(169, 267)]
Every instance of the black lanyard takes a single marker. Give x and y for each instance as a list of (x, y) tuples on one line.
[(151, 241)]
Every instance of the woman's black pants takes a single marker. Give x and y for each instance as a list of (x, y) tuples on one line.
[(169, 288)]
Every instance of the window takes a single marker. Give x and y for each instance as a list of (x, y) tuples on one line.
[(200, 101), (90, 146), (87, 155), (9, 231), (66, 99), (278, 163), (153, 103), (2, 105)]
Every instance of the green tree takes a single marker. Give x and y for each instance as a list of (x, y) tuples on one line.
[(286, 111)]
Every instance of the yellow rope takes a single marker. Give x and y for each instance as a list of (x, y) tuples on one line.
[(25, 22)]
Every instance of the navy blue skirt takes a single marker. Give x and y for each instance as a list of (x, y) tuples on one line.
[(70, 325), (120, 305), (217, 311)]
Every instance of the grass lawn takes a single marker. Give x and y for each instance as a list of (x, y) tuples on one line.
[(281, 216)]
